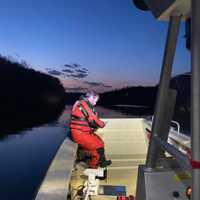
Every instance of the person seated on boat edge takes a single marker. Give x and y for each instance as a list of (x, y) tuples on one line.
[(84, 122)]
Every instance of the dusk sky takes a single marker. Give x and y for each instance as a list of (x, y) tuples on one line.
[(99, 44)]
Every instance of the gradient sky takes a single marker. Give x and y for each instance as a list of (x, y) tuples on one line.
[(115, 43)]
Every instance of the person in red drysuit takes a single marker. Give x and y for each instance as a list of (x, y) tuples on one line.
[(84, 122)]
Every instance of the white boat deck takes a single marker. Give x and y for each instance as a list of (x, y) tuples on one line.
[(125, 145)]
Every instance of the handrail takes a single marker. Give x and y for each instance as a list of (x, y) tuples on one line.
[(177, 124), (181, 158), (173, 122)]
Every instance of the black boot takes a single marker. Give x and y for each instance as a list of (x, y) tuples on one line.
[(105, 163), (102, 160)]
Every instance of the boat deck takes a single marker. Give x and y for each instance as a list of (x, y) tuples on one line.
[(126, 146)]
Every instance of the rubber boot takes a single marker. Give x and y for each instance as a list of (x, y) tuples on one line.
[(102, 160)]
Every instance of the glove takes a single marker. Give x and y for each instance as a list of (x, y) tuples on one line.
[(105, 122)]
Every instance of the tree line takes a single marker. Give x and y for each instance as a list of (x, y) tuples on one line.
[(27, 96)]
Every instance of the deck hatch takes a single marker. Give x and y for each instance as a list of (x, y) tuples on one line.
[(112, 190)]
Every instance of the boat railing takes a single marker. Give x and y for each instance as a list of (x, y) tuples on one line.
[(177, 125), (181, 158)]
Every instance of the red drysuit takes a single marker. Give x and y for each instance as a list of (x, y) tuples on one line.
[(84, 121)]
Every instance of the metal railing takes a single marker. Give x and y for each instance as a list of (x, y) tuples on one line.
[(181, 158), (172, 122), (177, 124)]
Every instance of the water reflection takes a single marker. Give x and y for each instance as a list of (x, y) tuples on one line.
[(25, 159), (18, 122)]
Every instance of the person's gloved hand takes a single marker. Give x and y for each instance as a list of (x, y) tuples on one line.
[(105, 122)]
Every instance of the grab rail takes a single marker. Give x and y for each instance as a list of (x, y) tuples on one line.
[(181, 158), (173, 122), (177, 124)]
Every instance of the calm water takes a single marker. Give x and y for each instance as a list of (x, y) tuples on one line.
[(25, 159)]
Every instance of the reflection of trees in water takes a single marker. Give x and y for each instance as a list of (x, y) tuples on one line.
[(28, 97), (17, 122)]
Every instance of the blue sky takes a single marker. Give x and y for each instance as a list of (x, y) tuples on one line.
[(117, 44)]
